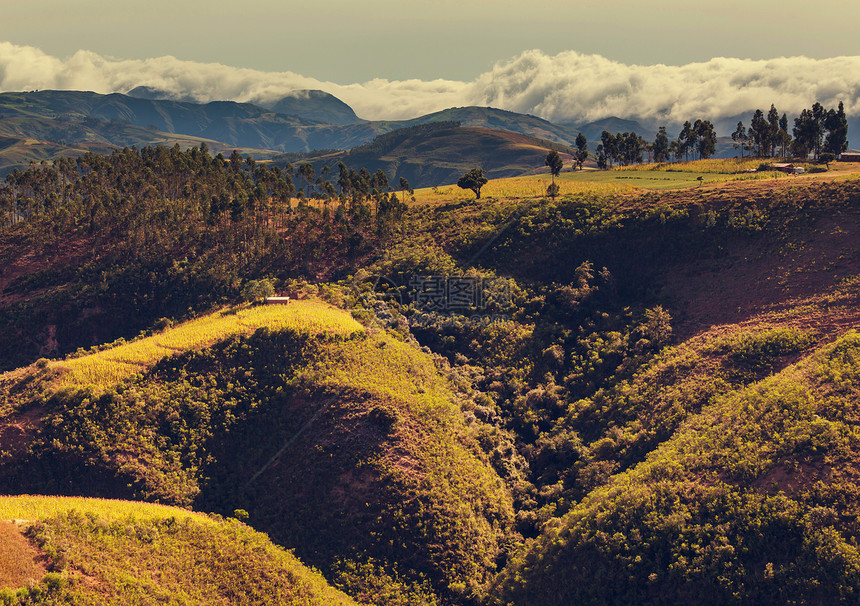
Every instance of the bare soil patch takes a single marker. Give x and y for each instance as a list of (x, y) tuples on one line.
[(753, 281), (20, 562), (17, 430)]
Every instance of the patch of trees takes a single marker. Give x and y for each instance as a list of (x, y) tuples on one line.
[(216, 191), (162, 232), (620, 148), (816, 131), (696, 139), (819, 132)]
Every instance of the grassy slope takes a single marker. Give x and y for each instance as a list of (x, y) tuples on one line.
[(733, 487), (773, 274), (115, 552), (108, 367), (378, 461), (31, 137), (755, 498), (19, 563), (656, 177)]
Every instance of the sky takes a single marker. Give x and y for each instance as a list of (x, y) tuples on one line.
[(562, 60)]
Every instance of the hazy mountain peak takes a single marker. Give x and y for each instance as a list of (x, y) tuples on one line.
[(156, 94), (314, 105)]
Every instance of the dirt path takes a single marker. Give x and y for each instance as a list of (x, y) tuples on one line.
[(20, 562)]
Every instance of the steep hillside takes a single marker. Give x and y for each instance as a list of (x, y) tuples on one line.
[(753, 499), (341, 444), (88, 551), (302, 122), (237, 124)]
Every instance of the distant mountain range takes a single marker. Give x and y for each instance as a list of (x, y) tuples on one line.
[(41, 125), (303, 121)]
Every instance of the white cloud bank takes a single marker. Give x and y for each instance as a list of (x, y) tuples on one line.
[(569, 86)]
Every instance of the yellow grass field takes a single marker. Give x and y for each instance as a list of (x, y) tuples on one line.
[(531, 186), (111, 366), (37, 507), (618, 180), (725, 166)]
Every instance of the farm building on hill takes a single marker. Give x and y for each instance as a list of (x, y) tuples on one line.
[(787, 167), (285, 298), (849, 157)]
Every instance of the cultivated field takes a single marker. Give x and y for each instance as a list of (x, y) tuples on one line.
[(619, 180), (532, 186), (111, 366), (37, 507)]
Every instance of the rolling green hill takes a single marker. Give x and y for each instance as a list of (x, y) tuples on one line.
[(752, 499), (240, 125), (26, 138), (89, 551), (342, 445), (440, 156), (498, 119)]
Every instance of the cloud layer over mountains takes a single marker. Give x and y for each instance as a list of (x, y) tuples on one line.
[(569, 86)]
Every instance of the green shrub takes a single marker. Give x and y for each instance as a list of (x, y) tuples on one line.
[(258, 290), (162, 324), (385, 417), (758, 351)]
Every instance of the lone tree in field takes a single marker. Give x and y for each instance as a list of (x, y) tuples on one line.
[(474, 180), (553, 160)]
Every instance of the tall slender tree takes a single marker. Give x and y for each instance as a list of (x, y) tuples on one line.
[(660, 147), (740, 138), (581, 150), (687, 139), (554, 161), (759, 133), (610, 146), (784, 137), (837, 131), (773, 136)]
